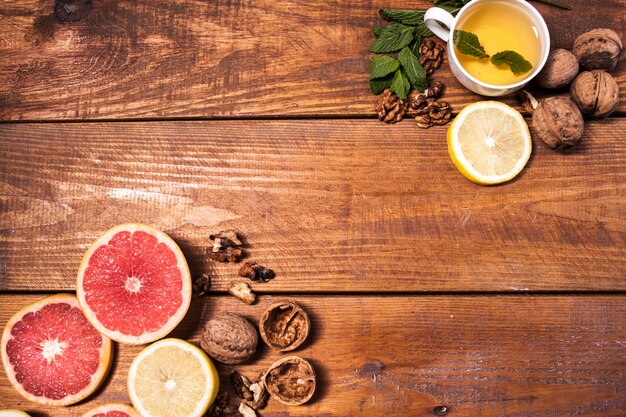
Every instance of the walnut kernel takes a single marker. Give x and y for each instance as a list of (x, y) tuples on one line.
[(226, 246), (560, 69), (229, 338), (255, 271), (284, 326), (595, 93), (253, 393), (598, 49), (242, 291), (390, 108), (246, 411), (290, 380)]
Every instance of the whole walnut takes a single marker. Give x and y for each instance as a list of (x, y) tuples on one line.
[(229, 338), (595, 93), (558, 122), (560, 69), (598, 49)]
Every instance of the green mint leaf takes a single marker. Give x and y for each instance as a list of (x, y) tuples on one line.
[(408, 17), (377, 30), (452, 6), (422, 86), (393, 37), (400, 84), (379, 84), (415, 46), (467, 43), (412, 67), (518, 64), (451, 3), (381, 65)]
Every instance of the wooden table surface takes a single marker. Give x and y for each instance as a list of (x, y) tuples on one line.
[(424, 289)]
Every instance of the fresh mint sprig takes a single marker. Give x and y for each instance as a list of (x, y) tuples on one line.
[(402, 36)]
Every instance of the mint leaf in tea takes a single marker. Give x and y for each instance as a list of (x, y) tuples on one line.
[(467, 43), (515, 61)]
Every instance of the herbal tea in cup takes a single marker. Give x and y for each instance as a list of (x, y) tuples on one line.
[(495, 46)]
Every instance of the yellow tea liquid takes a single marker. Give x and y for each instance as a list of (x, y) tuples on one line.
[(500, 26)]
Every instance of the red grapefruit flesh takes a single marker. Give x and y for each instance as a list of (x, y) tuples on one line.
[(112, 410), (134, 284), (52, 354)]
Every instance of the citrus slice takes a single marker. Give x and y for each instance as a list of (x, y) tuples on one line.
[(134, 284), (112, 410), (489, 142), (172, 378), (52, 354), (13, 413)]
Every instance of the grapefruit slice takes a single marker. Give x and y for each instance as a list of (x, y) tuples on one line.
[(112, 410), (52, 354), (134, 284)]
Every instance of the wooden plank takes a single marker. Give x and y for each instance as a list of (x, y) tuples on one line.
[(333, 205), (509, 356), (223, 58)]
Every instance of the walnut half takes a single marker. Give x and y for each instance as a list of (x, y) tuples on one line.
[(290, 380), (284, 326)]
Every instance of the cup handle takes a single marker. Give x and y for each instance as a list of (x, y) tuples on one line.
[(435, 15)]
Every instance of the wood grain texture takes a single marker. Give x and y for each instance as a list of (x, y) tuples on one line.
[(331, 205), (223, 58), (507, 356)]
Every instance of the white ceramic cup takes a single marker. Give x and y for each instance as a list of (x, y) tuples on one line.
[(435, 17)]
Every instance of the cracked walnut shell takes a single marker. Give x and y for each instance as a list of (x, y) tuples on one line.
[(290, 380), (598, 49), (229, 338), (595, 93), (284, 326)]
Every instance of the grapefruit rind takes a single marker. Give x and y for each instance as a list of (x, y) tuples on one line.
[(173, 321), (105, 408), (207, 366), (96, 379)]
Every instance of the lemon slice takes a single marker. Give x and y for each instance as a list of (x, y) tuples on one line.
[(172, 378), (489, 142), (13, 413)]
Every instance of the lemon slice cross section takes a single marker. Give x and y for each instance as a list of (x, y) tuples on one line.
[(172, 378), (489, 142)]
